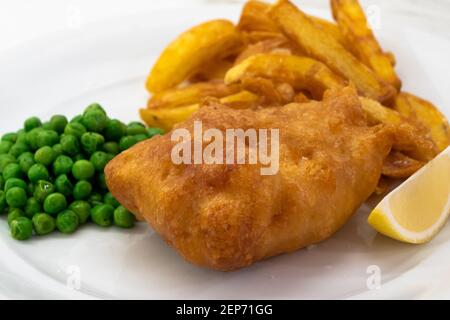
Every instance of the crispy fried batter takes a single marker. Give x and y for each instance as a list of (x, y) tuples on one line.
[(229, 216)]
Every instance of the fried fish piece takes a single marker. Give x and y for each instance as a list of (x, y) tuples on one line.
[(228, 216)]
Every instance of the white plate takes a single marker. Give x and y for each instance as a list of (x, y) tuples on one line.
[(107, 62)]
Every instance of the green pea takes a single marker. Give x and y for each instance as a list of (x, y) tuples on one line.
[(101, 181), (123, 218), (115, 130), (32, 207), (109, 199), (16, 197), (3, 203), (103, 215), (91, 142), (94, 107), (99, 159), (13, 214), (54, 203), (94, 120), (83, 170), (82, 190), (58, 123), (63, 185), (21, 136), (95, 199), (135, 128), (43, 223), (21, 228), (26, 161), (38, 172), (111, 147), (42, 190), (5, 160), (18, 148), (69, 144), (31, 138), (5, 146), (75, 128), (15, 182), (12, 170), (82, 209), (62, 165), (127, 142), (10, 136), (31, 123), (141, 137), (155, 131), (47, 138), (76, 119), (67, 221), (2, 182), (45, 155), (57, 148)]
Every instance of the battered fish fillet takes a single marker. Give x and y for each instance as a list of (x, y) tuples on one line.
[(227, 217)]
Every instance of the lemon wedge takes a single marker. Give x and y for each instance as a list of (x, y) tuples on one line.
[(417, 210)]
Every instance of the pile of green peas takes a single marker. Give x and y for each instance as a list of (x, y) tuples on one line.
[(52, 173)]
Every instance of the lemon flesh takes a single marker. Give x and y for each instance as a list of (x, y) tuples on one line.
[(420, 207)]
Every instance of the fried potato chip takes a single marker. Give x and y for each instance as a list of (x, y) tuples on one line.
[(355, 28), (189, 53), (398, 165), (277, 45), (300, 72), (408, 137), (258, 36), (254, 17), (426, 114), (264, 88), (323, 47), (213, 71), (191, 94), (167, 118)]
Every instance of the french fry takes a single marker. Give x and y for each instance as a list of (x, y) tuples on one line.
[(408, 137), (191, 94), (213, 71), (426, 114), (323, 47), (258, 36), (264, 88), (266, 46), (254, 17), (354, 26), (398, 165), (167, 118), (300, 72), (189, 53)]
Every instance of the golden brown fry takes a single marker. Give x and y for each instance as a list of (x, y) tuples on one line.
[(213, 71), (408, 138), (189, 53), (258, 36), (330, 28), (301, 98), (300, 72), (254, 17), (167, 118), (264, 88), (191, 94), (266, 46), (321, 46), (355, 28), (398, 165), (426, 114)]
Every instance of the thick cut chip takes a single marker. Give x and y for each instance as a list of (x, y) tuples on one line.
[(189, 53), (254, 17), (191, 94), (426, 114), (274, 45), (301, 73), (355, 28), (398, 165), (323, 47), (409, 138)]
